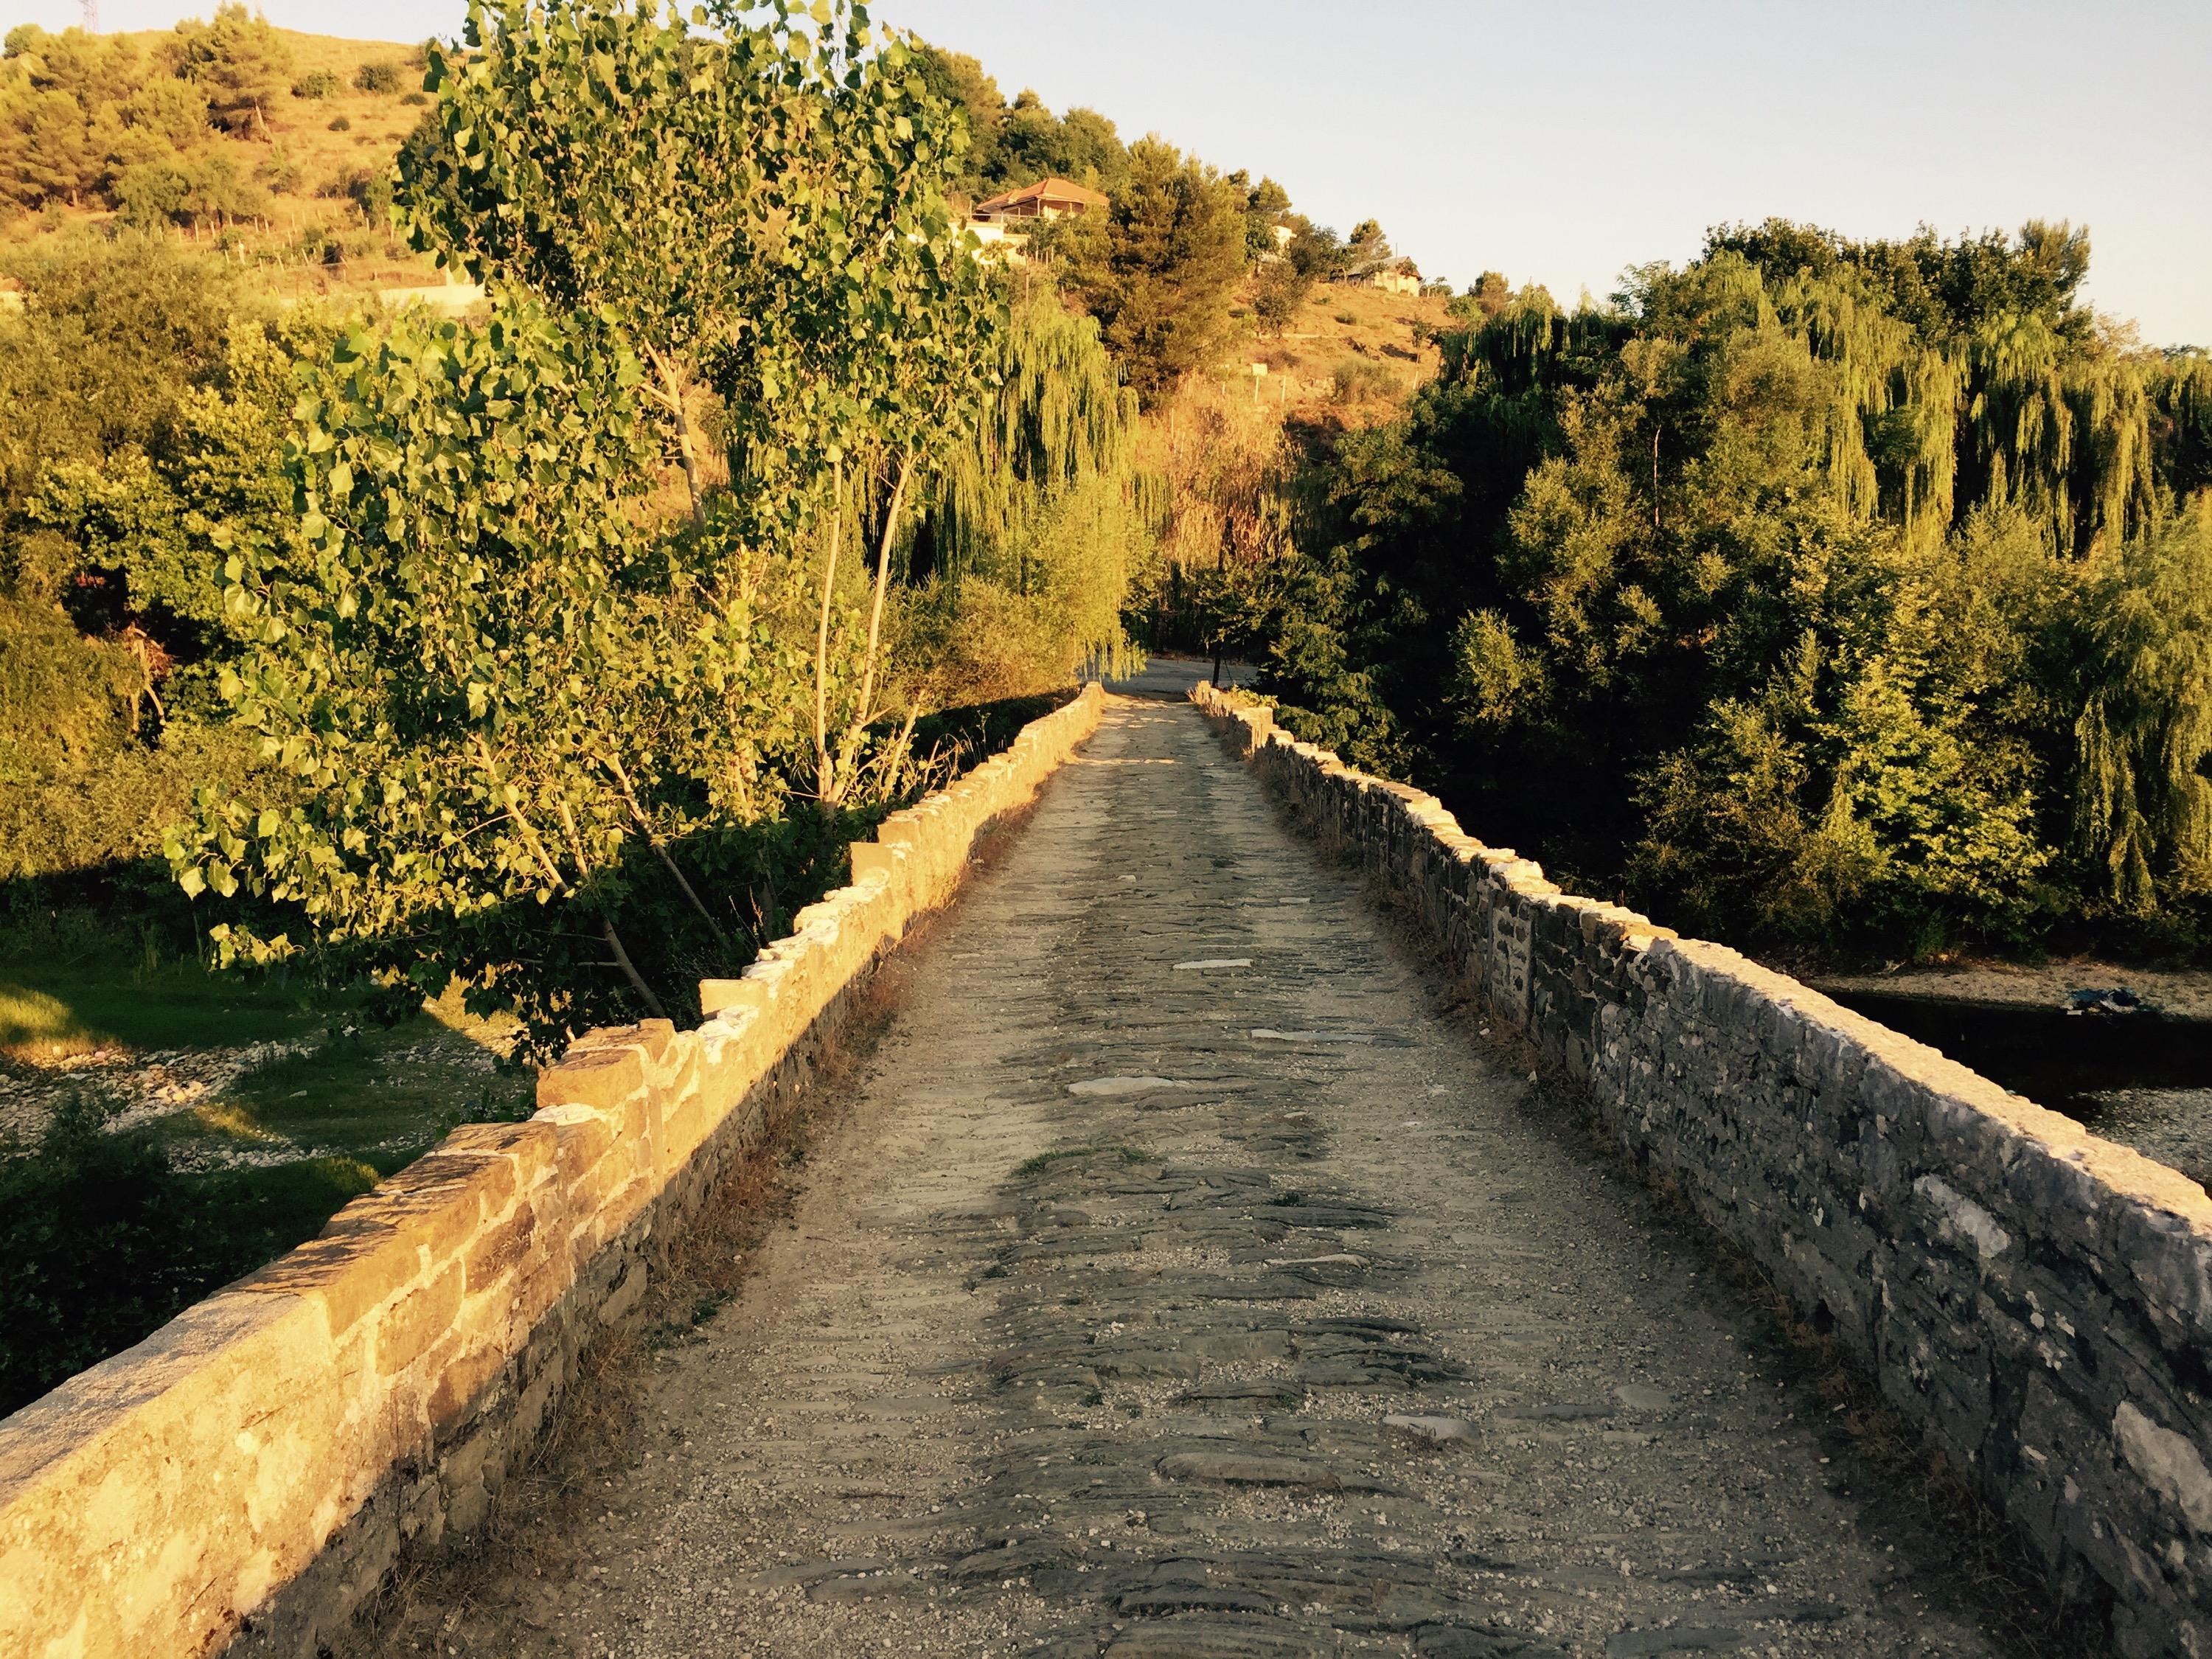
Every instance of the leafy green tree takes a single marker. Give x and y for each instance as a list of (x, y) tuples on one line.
[(63, 100), (1267, 207), (1315, 251), (1277, 292), (801, 260), (2145, 730), (1765, 593), (1158, 267), (2181, 402), (154, 525), (1485, 296), (961, 82), (487, 688), (1016, 144), (141, 320), (1367, 247), (598, 158), (1081, 145)]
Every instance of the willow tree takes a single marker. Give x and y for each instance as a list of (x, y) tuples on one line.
[(1035, 523), (1774, 582), (2144, 808)]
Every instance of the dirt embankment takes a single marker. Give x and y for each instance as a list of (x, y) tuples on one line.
[(2179, 993)]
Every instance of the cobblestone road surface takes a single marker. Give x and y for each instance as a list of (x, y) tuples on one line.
[(1178, 1284)]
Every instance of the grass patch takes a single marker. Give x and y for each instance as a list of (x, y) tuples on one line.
[(55, 1011), (384, 1097), (69, 985), (1043, 1161)]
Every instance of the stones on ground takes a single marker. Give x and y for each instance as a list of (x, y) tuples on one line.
[(1437, 1431), (1646, 1644), (1480, 1642), (1234, 1468), (1286, 1390), (1560, 1411), (1204, 1640)]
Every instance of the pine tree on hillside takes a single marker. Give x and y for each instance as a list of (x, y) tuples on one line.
[(239, 58), (1158, 267)]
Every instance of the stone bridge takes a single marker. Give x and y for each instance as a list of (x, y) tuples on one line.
[(1193, 1271)]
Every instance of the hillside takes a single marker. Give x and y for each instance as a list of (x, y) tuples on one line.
[(299, 194), (1350, 348)]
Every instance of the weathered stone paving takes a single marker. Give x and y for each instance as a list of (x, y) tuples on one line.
[(1179, 1284)]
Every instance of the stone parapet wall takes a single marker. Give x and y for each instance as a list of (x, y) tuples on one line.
[(2036, 1300), (248, 1475)]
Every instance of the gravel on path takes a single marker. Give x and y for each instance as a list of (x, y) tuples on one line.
[(1232, 1311)]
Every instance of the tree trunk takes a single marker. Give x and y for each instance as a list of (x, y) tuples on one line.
[(705, 915), (860, 715), (825, 768), (672, 393), (630, 968)]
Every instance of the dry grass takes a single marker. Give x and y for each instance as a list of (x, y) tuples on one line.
[(1350, 356), (300, 136), (300, 127)]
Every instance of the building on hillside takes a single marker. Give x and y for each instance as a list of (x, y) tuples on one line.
[(1391, 275), (1047, 198)]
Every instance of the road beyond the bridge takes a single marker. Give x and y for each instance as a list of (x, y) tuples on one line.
[(1178, 1281)]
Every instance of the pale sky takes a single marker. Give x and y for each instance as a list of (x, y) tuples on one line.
[(1565, 141)]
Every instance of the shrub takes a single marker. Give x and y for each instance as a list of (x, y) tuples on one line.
[(280, 172), (382, 79), (316, 85), (152, 194), (1358, 380), (341, 124), (1278, 291), (101, 1242), (415, 98)]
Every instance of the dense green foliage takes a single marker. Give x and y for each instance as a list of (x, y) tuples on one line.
[(1019, 143), (86, 120), (1821, 593), (510, 702), (1158, 266), (145, 404), (469, 663), (1035, 526), (103, 1241)]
